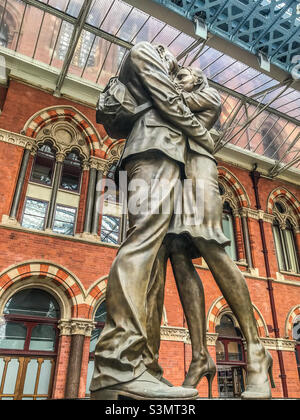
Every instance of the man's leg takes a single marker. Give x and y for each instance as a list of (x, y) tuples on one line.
[(118, 355), (155, 303)]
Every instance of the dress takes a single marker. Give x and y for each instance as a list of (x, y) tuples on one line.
[(206, 222)]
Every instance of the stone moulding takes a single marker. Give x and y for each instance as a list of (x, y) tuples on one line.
[(279, 344), (15, 138), (180, 334)]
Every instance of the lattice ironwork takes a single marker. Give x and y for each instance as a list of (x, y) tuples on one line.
[(269, 26)]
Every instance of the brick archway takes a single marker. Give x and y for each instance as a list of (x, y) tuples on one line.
[(65, 113), (48, 273), (235, 185), (288, 197), (292, 315), (95, 293), (220, 304)]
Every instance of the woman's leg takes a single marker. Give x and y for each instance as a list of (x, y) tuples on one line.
[(234, 289), (192, 298)]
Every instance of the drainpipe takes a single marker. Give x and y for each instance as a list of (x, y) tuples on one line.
[(255, 176)]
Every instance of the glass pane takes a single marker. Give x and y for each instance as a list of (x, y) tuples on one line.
[(63, 228), (12, 336), (64, 220), (291, 250), (33, 222), (43, 337), (45, 376), (30, 378), (43, 168), (89, 376), (235, 351), (30, 27), (11, 376), (101, 313), (33, 302), (70, 179), (35, 208), (34, 214), (228, 230), (110, 229), (220, 351), (278, 246), (226, 328), (94, 339)]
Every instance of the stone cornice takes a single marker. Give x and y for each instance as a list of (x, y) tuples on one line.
[(181, 334), (16, 139), (256, 214), (279, 344)]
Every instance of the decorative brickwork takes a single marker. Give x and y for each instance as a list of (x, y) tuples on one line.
[(239, 191), (220, 305), (65, 113), (291, 318)]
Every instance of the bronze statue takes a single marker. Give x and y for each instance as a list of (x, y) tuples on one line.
[(155, 149), (186, 241), (169, 141)]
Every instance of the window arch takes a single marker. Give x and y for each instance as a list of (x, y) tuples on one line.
[(284, 237), (230, 355), (28, 345)]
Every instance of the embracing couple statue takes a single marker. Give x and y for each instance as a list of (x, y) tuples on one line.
[(169, 143)]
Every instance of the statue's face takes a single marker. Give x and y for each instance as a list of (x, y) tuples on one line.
[(185, 80)]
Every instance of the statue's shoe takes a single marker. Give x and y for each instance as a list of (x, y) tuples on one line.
[(145, 387), (258, 387)]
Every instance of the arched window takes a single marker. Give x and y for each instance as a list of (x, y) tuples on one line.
[(230, 358), (100, 318), (56, 210), (71, 172), (284, 239), (44, 165), (296, 336), (28, 345), (229, 230)]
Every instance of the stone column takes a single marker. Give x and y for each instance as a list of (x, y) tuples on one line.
[(79, 329), (101, 171), (90, 197), (29, 148), (246, 237), (239, 236), (60, 157)]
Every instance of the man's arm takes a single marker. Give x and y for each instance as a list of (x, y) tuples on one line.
[(152, 73), (203, 100)]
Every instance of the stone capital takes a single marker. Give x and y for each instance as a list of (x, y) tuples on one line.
[(76, 327)]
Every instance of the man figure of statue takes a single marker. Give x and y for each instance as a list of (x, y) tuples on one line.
[(155, 150)]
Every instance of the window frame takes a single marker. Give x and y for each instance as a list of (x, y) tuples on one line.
[(75, 219), (39, 201), (60, 188), (230, 213), (284, 248), (30, 322), (31, 180), (119, 232)]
